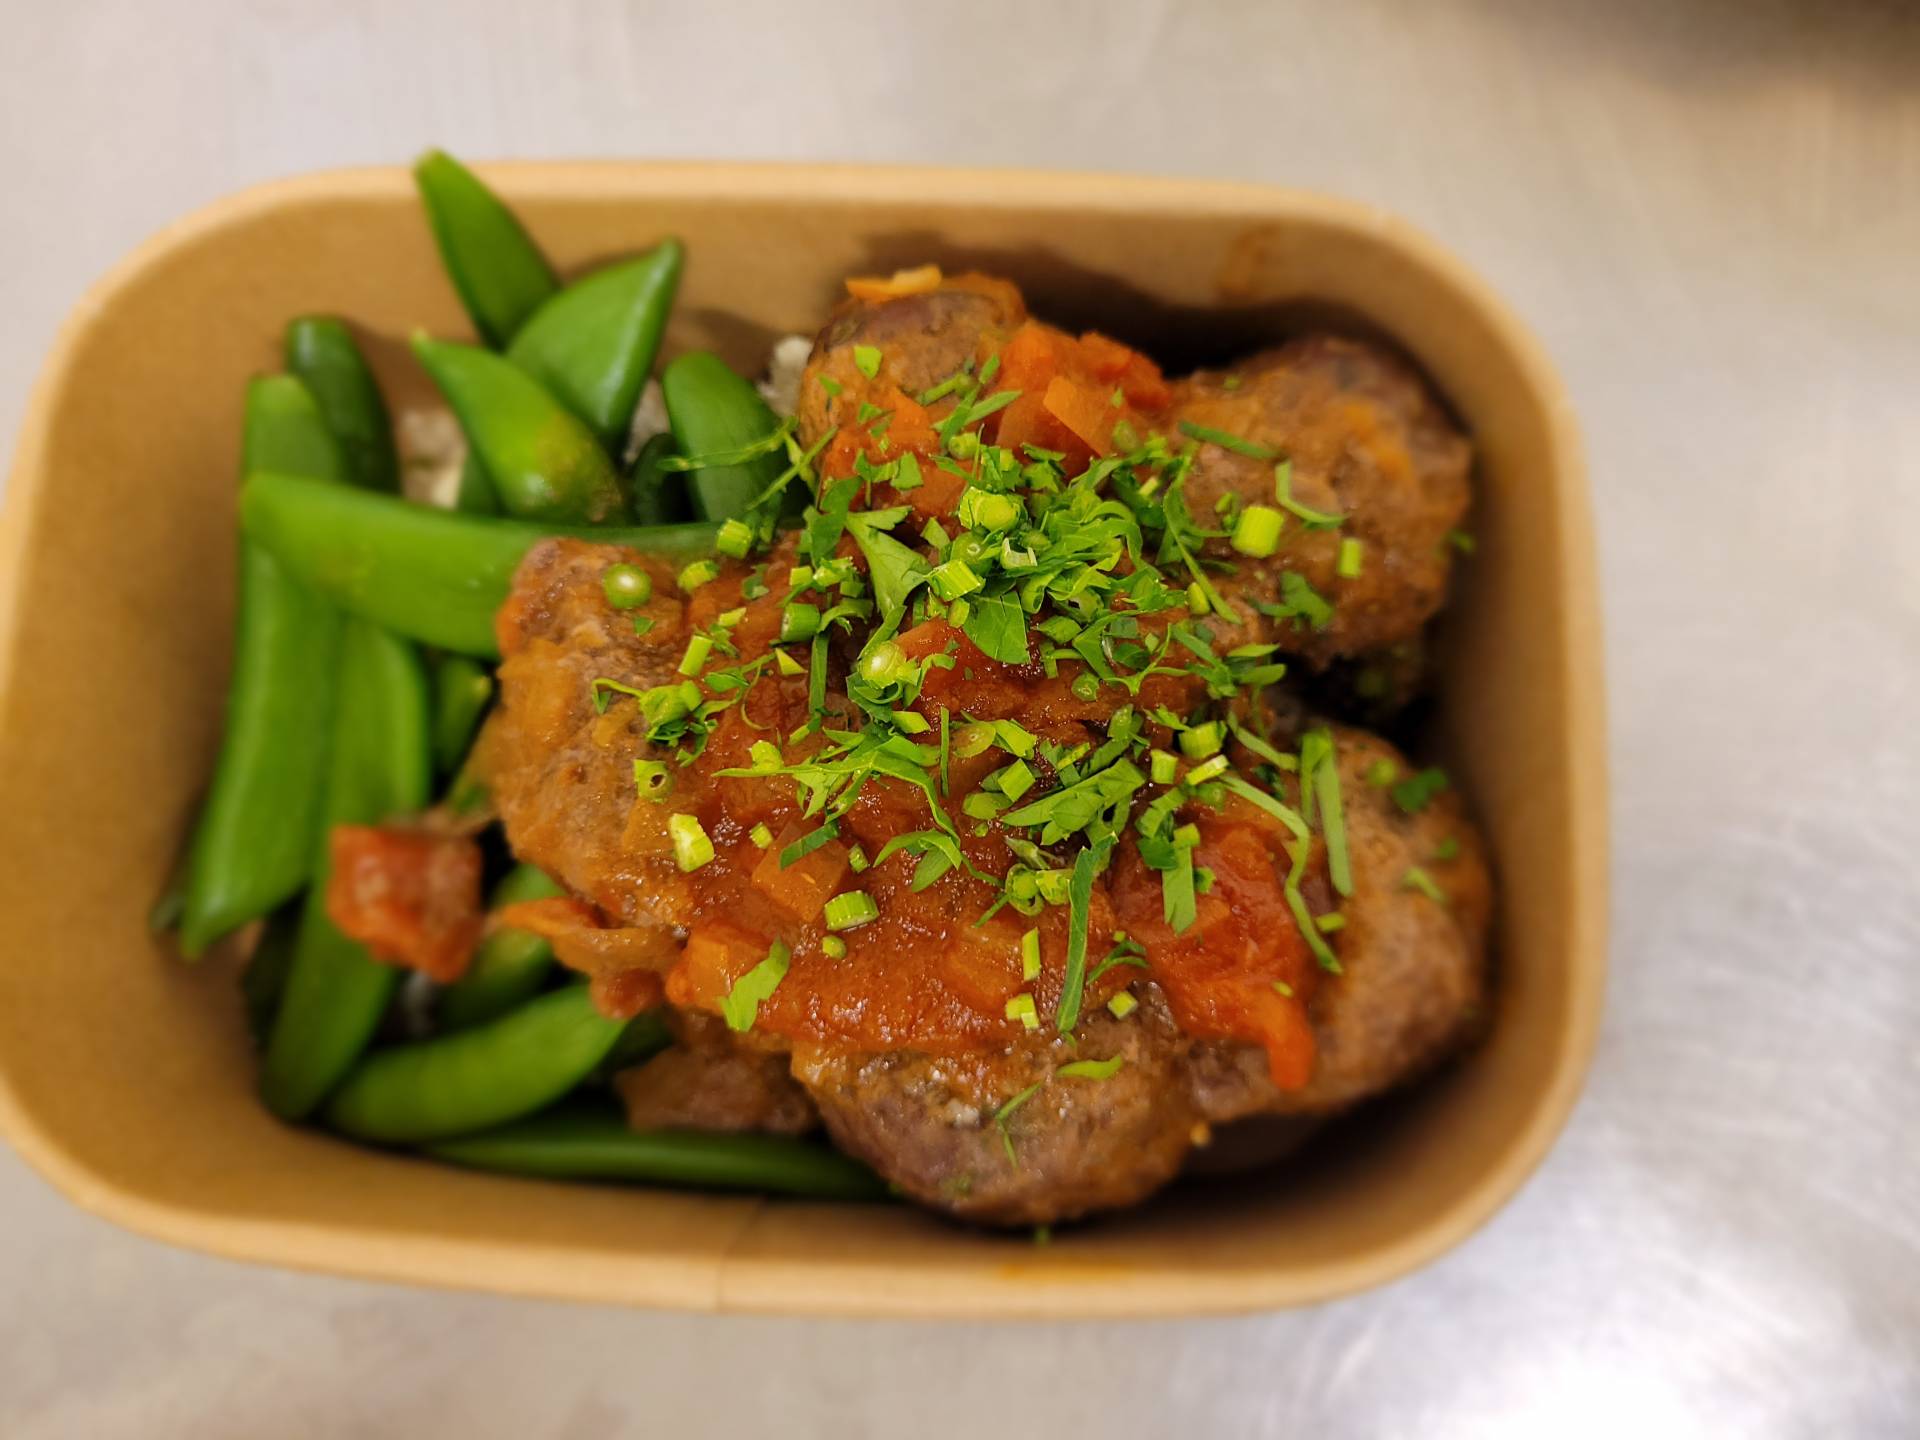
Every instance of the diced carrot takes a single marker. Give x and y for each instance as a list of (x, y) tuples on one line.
[(410, 896), (804, 887), (1030, 359), (916, 281), (1085, 412), (717, 954), (1106, 358)]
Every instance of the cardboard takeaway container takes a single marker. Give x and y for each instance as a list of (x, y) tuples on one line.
[(126, 1077)]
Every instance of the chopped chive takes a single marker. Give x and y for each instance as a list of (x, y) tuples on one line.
[(786, 664), (1199, 741), (652, 779), (1420, 880), (1197, 599), (1072, 983), (1001, 1116), (1381, 773), (691, 846), (698, 649), (1331, 922), (1280, 987), (833, 947), (1252, 449), (1206, 770), (1283, 497), (850, 910), (1347, 567), (735, 538), (760, 835), (866, 359), (1447, 849), (1333, 825), (807, 844), (1092, 1069), (1163, 766), (800, 577), (698, 573), (1030, 955), (1122, 1005), (1257, 531), (954, 579), (1022, 1008), (642, 624), (1302, 916)]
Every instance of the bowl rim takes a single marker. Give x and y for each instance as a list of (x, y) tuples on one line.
[(777, 1288)]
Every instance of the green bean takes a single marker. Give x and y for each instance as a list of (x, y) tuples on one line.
[(253, 841), (462, 690), (379, 767), (510, 965), (592, 345), (544, 464), (474, 1079), (433, 575), (500, 274), (712, 411), (657, 496), (581, 1142), (320, 351)]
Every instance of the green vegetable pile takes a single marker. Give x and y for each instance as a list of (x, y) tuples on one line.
[(363, 625)]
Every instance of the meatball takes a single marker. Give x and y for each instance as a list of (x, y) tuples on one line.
[(1411, 991), (1366, 439), (922, 339), (938, 1127), (710, 1079), (1414, 986)]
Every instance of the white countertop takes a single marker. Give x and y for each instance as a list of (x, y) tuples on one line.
[(1710, 212)]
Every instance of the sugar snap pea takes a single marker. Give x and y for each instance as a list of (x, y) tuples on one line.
[(592, 344), (713, 410), (379, 766), (509, 965), (475, 495), (579, 1141), (320, 351), (499, 272), (264, 980), (436, 576), (543, 462), (462, 688), (473, 1079), (656, 496), (253, 842)]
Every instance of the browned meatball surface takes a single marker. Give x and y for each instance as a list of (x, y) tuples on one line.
[(1365, 439), (922, 338), (1411, 992)]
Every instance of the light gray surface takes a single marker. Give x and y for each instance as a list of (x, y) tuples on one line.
[(1711, 213)]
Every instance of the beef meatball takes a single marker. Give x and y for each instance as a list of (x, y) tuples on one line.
[(1365, 439), (1411, 991), (922, 338)]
